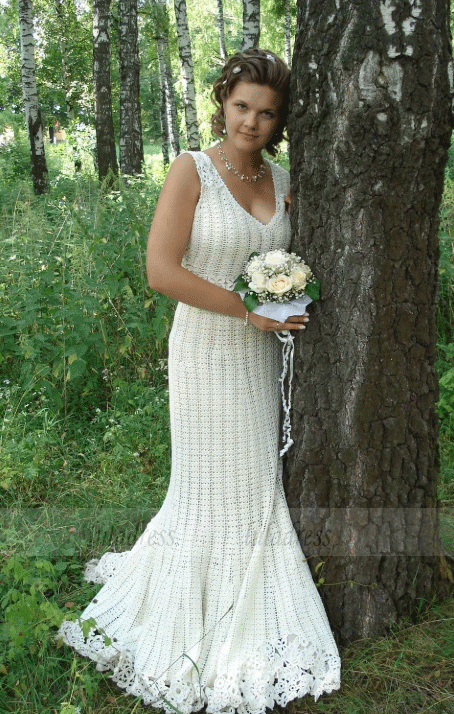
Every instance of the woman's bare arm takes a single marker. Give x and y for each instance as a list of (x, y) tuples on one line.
[(168, 240)]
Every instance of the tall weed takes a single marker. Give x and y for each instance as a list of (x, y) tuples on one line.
[(82, 338), (73, 297)]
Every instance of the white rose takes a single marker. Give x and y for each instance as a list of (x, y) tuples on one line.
[(274, 259), (254, 265), (279, 284), (299, 277), (258, 282)]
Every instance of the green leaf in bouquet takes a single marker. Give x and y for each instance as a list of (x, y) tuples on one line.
[(251, 301), (253, 255), (241, 284), (313, 288)]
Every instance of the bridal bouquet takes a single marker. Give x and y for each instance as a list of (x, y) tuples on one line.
[(278, 284), (276, 277)]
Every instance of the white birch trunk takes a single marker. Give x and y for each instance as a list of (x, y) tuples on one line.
[(161, 23), (30, 93), (163, 113), (131, 143), (220, 23), (187, 75), (167, 95), (251, 24)]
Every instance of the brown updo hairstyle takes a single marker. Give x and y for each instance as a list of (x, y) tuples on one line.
[(256, 67)]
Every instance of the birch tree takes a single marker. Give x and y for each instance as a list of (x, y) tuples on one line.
[(30, 96), (164, 122), (187, 75), (251, 24), (168, 109), (131, 142), (220, 24), (105, 139), (372, 91)]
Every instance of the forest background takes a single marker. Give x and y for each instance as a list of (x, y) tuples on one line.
[(84, 427)]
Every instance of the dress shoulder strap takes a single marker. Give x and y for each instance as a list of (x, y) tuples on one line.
[(281, 177), (205, 168)]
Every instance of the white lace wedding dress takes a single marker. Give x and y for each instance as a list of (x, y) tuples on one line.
[(215, 604)]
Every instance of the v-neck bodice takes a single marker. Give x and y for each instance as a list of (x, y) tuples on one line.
[(224, 233), (240, 205)]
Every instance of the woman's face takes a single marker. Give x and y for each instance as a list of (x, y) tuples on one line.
[(251, 115)]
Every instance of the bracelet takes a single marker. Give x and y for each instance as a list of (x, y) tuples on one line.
[(245, 319)]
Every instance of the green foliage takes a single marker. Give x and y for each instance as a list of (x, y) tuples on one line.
[(251, 301), (445, 332), (105, 454), (14, 155), (36, 676), (10, 78), (74, 290), (64, 64), (83, 394), (313, 288)]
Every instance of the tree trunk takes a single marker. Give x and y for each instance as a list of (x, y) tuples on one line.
[(170, 101), (369, 132), (30, 93), (131, 143), (105, 139), (163, 118), (161, 25), (288, 46), (251, 24), (187, 75), (220, 22)]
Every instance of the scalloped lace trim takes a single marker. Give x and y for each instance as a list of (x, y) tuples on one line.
[(100, 570), (276, 673)]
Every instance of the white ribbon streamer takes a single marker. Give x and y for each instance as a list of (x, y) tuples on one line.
[(287, 338), (280, 312)]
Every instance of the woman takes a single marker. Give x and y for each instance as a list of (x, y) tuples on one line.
[(215, 603)]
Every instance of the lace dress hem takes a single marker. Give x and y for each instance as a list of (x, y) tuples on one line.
[(275, 673)]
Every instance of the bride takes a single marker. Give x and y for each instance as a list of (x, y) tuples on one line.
[(215, 604)]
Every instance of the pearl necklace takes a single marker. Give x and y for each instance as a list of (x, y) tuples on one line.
[(242, 177)]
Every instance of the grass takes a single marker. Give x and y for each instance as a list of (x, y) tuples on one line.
[(85, 450)]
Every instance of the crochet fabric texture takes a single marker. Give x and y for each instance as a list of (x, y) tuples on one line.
[(214, 604)]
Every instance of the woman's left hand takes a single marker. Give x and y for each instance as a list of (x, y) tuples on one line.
[(299, 322)]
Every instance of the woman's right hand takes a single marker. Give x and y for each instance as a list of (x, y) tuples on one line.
[(267, 324)]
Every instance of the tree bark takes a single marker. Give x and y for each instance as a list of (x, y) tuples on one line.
[(220, 23), (131, 143), (163, 118), (187, 75), (161, 25), (251, 24), (30, 94), (371, 120), (105, 139)]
